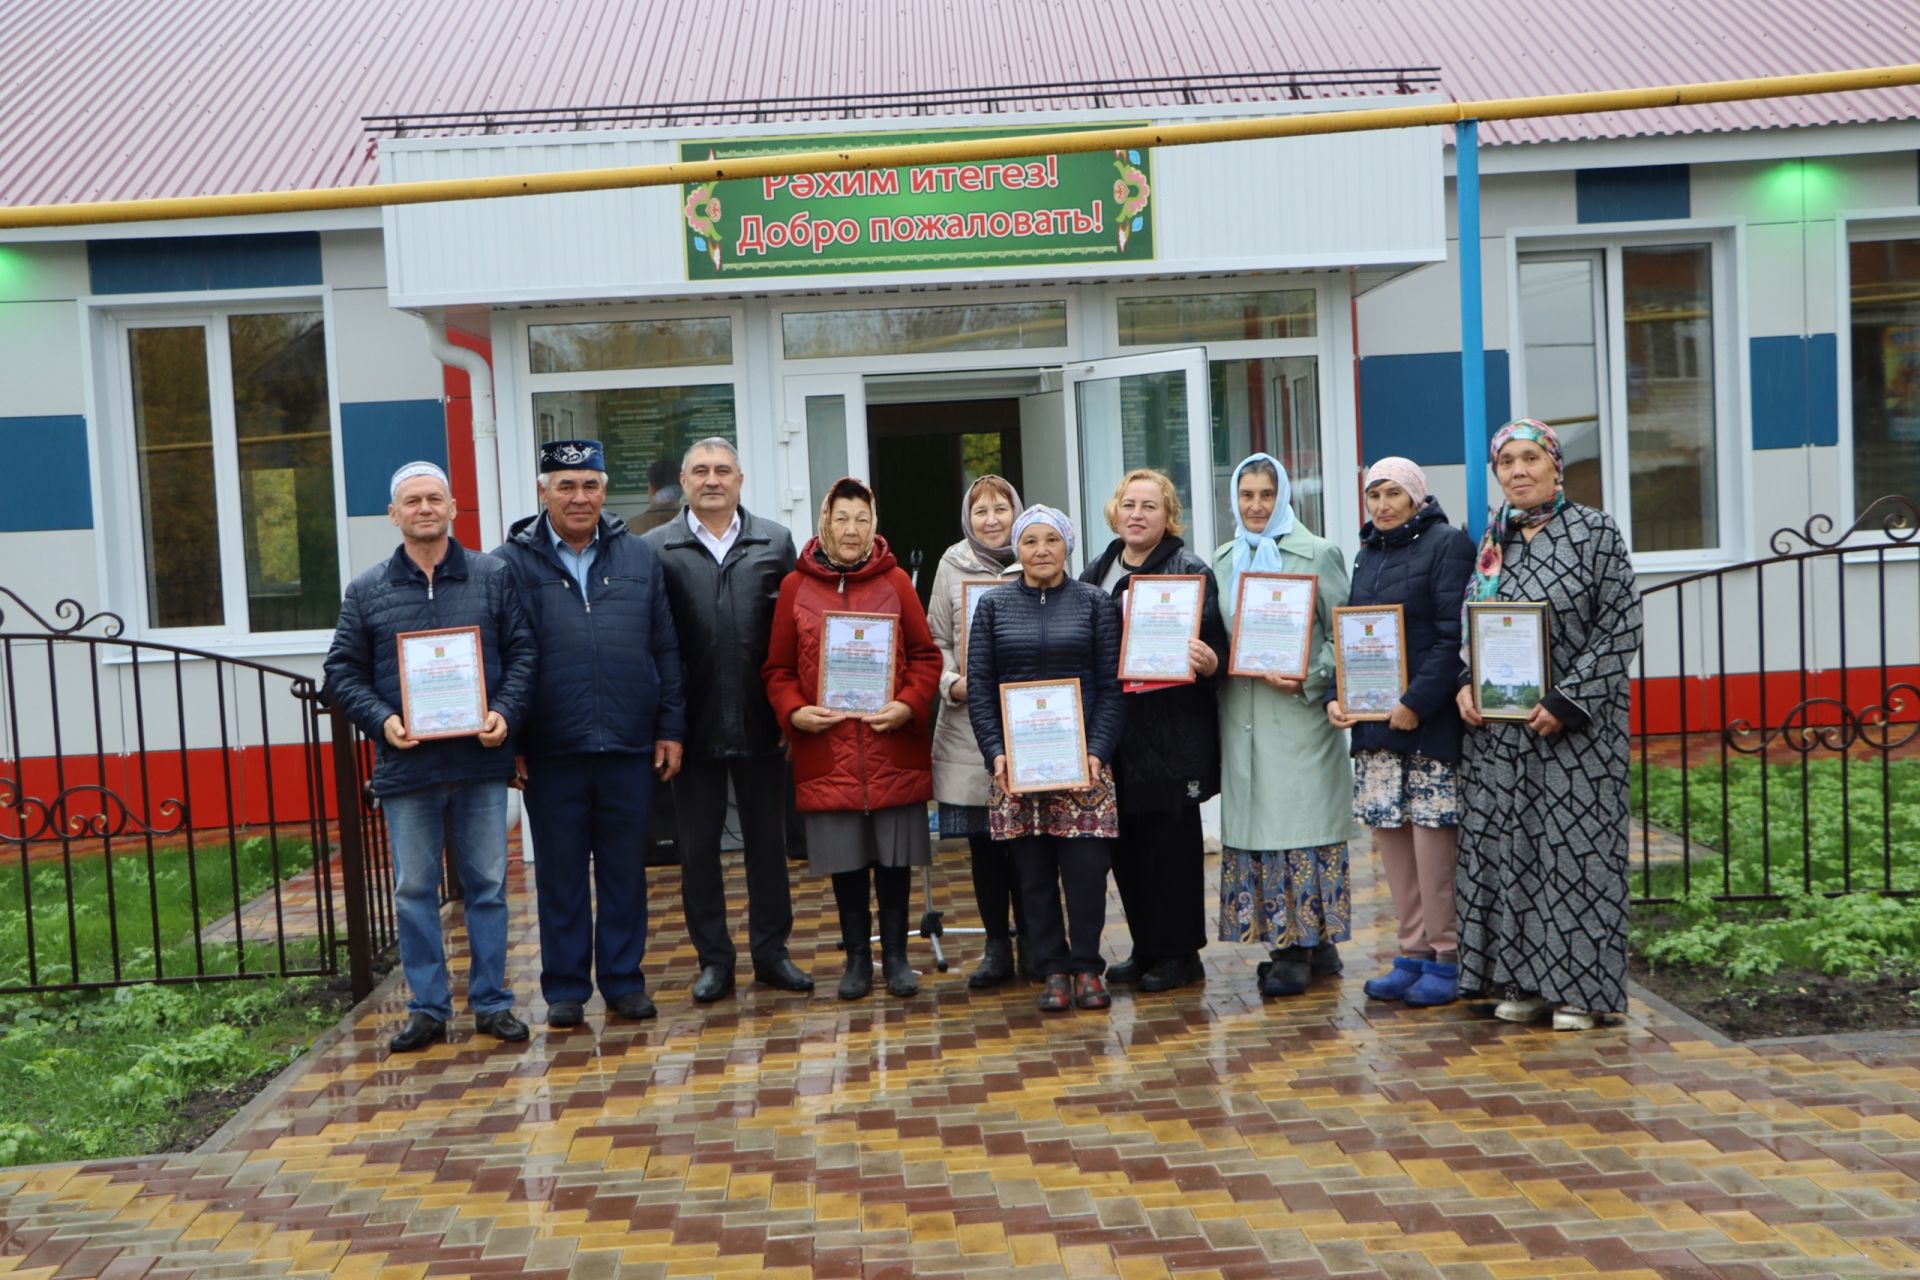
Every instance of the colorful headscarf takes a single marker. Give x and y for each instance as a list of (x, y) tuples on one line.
[(1486, 569), (1402, 471), (845, 487), (1258, 552), (1041, 514), (1002, 556)]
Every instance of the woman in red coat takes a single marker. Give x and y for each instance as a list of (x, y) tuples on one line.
[(862, 782)]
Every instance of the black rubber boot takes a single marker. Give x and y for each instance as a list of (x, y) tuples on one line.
[(894, 965), (857, 981), (996, 965)]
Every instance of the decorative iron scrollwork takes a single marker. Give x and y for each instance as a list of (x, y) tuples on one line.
[(55, 820), (1896, 516), (1873, 726), (112, 624)]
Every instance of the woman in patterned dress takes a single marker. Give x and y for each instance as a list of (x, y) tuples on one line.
[(1542, 880), (1285, 784), (1046, 625), (1405, 767)]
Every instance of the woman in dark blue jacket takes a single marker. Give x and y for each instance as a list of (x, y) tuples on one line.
[(1047, 626), (1404, 783)]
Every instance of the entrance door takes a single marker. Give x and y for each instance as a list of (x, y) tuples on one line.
[(823, 436), (1140, 411)]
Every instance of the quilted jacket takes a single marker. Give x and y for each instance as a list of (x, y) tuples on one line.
[(1046, 633)]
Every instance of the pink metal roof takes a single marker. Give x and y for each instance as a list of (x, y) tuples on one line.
[(114, 99)]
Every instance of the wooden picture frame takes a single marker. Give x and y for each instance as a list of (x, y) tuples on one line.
[(970, 590), (822, 690), (1480, 615), (451, 697), (1137, 586), (1374, 701), (1234, 667), (1054, 779)]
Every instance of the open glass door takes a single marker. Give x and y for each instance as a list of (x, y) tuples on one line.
[(823, 436), (1140, 411)]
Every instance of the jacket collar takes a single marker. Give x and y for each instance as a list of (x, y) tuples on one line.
[(536, 531), (453, 565), (879, 562), (751, 530), (1425, 518), (1169, 547)]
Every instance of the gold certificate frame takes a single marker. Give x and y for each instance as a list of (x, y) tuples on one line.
[(1369, 659), (443, 683), (1509, 657), (1149, 590), (1236, 664)]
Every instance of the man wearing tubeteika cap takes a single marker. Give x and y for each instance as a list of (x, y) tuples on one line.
[(608, 714), (438, 793)]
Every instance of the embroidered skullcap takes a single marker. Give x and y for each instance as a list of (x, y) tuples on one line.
[(411, 470), (572, 455)]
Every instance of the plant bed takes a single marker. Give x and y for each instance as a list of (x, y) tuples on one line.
[(1792, 1002)]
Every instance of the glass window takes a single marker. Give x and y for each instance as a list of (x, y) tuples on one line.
[(1217, 317), (1885, 276), (285, 447), (899, 331), (1268, 406), (173, 438), (1667, 305), (826, 443), (1151, 409), (646, 431), (631, 344), (1560, 308)]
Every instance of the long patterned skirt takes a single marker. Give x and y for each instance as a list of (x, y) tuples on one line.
[(1286, 897)]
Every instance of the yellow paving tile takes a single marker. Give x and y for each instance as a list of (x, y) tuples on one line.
[(1087, 1260), (983, 1237), (1030, 1250)]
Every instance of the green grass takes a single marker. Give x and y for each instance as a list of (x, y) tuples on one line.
[(1832, 838), (95, 1074), (173, 888)]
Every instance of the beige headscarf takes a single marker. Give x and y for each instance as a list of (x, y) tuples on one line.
[(845, 487)]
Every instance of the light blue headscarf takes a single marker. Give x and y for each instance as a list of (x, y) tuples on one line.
[(1040, 513), (1257, 552)]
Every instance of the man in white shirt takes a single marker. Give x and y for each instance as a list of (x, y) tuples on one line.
[(724, 566)]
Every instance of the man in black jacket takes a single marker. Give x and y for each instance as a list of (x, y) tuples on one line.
[(608, 708), (724, 567), (441, 792)]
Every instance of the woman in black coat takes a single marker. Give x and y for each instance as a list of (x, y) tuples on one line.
[(1046, 626), (1170, 754), (1405, 768)]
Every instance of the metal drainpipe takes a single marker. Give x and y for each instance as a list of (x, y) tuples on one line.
[(486, 442)]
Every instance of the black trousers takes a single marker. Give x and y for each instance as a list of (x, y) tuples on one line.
[(994, 886), (1159, 866), (700, 807), (1048, 866), (589, 815)]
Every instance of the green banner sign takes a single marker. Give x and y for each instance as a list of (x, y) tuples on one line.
[(1046, 210)]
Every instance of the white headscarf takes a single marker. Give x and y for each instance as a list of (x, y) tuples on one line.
[(1257, 552)]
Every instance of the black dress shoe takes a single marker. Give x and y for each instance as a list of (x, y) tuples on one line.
[(1128, 971), (565, 1013), (636, 1005), (420, 1031), (996, 965), (501, 1025), (712, 983), (1169, 975), (784, 975)]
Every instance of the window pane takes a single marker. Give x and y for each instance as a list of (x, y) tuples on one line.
[(1268, 406), (173, 436), (631, 344), (1216, 317), (1668, 312), (1558, 319), (646, 431), (1136, 421), (1886, 369), (899, 331), (826, 443), (284, 435)]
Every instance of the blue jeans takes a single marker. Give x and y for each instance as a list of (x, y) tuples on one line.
[(470, 820)]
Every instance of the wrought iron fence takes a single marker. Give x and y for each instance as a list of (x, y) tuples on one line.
[(1774, 706), (171, 815)]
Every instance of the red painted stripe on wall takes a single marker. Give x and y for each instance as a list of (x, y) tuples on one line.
[(1711, 703), (213, 785), (460, 468)]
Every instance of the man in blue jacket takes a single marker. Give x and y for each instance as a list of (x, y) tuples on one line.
[(444, 792), (608, 709)]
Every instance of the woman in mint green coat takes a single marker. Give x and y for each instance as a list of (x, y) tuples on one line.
[(1286, 794)]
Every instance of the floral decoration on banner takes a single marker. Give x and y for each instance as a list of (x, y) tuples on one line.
[(1131, 193), (702, 212)]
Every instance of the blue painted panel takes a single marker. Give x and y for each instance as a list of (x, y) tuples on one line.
[(176, 264), (43, 474), (1639, 193), (378, 437), (1410, 406), (1796, 391)]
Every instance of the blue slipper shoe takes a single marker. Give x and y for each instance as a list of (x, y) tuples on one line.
[(1397, 981), (1439, 984)]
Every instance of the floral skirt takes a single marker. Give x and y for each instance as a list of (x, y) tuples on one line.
[(1286, 897), (1391, 789), (1093, 812)]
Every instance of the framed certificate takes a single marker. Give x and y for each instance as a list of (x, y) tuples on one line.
[(1370, 659), (1508, 657), (972, 592), (1273, 625), (856, 661), (1162, 613), (1045, 735), (443, 683)]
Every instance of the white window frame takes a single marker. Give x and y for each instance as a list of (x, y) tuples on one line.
[(124, 543), (1733, 423), (519, 439), (1849, 228)]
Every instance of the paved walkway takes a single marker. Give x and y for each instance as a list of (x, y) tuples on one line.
[(1197, 1133)]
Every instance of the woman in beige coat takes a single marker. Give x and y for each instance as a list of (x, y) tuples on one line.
[(959, 781)]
